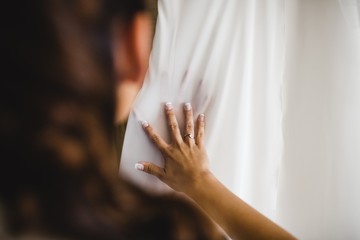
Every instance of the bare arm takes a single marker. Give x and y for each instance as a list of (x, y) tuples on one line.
[(186, 170)]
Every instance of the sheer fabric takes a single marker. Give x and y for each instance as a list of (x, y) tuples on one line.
[(279, 82)]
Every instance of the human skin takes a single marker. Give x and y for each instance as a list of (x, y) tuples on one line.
[(186, 170), (186, 161), (131, 50)]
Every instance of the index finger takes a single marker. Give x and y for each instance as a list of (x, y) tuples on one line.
[(154, 137)]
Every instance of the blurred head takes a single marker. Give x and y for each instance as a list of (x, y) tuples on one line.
[(131, 49), (72, 67)]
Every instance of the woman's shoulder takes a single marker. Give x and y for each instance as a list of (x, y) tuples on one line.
[(170, 216)]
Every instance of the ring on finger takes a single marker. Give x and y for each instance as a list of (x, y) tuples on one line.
[(189, 135)]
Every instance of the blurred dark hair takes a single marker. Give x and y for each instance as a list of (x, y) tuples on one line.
[(56, 118)]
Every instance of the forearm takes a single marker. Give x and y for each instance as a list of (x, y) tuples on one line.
[(186, 170), (238, 219)]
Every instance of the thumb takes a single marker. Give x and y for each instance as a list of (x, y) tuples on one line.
[(151, 169)]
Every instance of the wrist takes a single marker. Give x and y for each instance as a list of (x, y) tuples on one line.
[(202, 182)]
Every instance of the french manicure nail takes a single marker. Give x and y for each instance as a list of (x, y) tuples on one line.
[(168, 106), (144, 124), (202, 117), (139, 166), (187, 106)]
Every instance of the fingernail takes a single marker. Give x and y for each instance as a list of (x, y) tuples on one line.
[(168, 106), (202, 117), (144, 124), (139, 166), (187, 106)]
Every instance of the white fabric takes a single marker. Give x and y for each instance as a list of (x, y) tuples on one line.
[(279, 82)]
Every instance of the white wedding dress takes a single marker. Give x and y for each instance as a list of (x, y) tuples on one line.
[(279, 82)]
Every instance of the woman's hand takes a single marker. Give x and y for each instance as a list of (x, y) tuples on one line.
[(186, 161), (186, 170)]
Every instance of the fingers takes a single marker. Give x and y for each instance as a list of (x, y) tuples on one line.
[(150, 169), (189, 124), (201, 130), (155, 138), (174, 128), (173, 124)]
